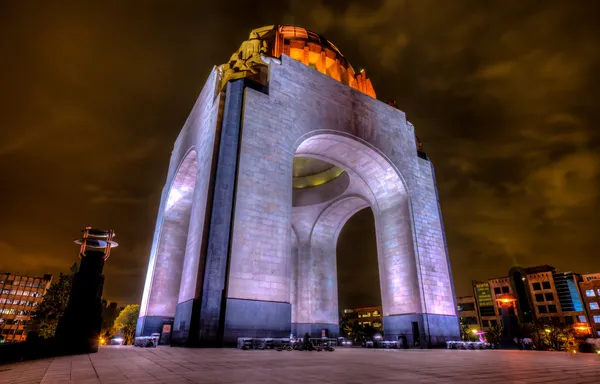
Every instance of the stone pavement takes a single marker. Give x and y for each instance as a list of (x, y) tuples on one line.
[(115, 365)]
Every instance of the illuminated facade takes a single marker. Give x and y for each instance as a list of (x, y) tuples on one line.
[(370, 316), (590, 290), (541, 293), (284, 144), (19, 297)]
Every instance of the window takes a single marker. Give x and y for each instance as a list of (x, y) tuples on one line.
[(593, 305), (598, 291), (542, 309), (537, 287), (546, 284), (497, 290), (596, 319), (505, 289), (469, 320), (568, 320), (549, 296), (492, 322), (581, 319), (590, 293), (539, 297), (552, 308)]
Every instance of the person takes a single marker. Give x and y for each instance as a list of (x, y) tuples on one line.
[(307, 344)]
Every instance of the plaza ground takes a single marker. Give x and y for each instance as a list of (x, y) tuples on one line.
[(116, 365)]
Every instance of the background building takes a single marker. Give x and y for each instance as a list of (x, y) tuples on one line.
[(19, 296), (370, 316), (541, 294), (467, 311), (590, 287), (486, 303)]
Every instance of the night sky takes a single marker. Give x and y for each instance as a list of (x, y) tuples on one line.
[(504, 95)]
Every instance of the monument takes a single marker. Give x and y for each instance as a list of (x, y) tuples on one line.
[(78, 330), (284, 144)]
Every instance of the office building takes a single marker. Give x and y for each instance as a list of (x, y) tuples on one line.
[(368, 316), (467, 311), (541, 293), (590, 288), (19, 296)]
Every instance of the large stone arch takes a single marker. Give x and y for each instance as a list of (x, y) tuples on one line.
[(374, 182), (241, 267), (166, 264)]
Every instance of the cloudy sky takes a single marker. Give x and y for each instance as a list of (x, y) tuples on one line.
[(503, 94)]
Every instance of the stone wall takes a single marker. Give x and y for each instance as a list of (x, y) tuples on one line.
[(175, 260)]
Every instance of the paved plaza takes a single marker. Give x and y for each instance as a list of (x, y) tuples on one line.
[(116, 365)]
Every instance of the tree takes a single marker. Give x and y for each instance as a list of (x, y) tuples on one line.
[(551, 335), (494, 334), (127, 321), (345, 326), (48, 312)]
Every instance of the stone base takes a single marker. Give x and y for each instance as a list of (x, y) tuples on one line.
[(315, 330), (256, 319), (147, 325), (186, 324), (441, 328)]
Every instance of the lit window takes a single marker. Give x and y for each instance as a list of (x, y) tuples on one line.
[(582, 319), (590, 293), (598, 291), (596, 319), (593, 305)]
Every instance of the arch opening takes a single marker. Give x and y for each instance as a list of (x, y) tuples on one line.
[(163, 282), (359, 291), (373, 182)]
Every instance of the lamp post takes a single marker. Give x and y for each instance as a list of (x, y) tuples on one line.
[(507, 305), (79, 328)]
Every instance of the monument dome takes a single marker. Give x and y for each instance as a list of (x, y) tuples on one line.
[(298, 43)]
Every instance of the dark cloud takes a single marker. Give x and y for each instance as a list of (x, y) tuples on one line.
[(501, 92)]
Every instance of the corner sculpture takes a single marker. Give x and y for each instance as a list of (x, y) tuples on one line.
[(79, 328), (284, 144)]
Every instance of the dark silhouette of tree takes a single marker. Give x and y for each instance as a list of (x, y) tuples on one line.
[(48, 312), (494, 334)]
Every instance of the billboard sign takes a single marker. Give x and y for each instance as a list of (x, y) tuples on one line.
[(484, 295)]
